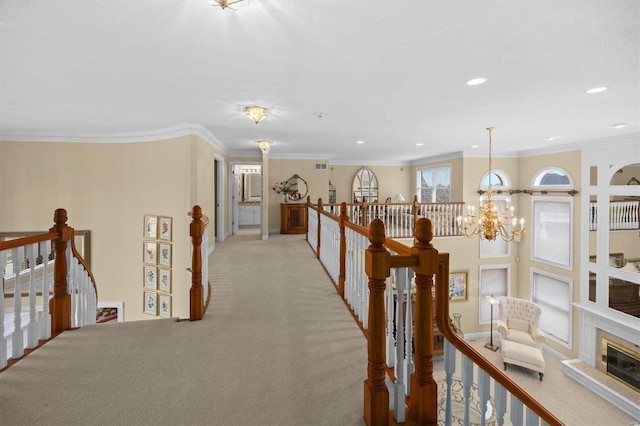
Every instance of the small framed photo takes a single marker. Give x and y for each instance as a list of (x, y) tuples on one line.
[(165, 305), (165, 228), (150, 277), (458, 285), (150, 226), (616, 260), (150, 252), (164, 280), (164, 255), (150, 303)]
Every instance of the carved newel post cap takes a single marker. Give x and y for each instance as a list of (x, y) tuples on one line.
[(60, 217), (376, 233), (424, 232), (196, 212)]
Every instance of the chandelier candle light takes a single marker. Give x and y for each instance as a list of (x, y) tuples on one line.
[(491, 220)]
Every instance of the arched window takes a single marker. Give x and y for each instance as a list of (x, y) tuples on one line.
[(497, 178), (552, 177)]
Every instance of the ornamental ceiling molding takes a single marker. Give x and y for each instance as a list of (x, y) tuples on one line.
[(173, 132)]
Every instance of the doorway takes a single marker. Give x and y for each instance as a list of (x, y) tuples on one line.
[(246, 190)]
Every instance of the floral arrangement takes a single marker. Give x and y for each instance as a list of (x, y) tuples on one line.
[(284, 188)]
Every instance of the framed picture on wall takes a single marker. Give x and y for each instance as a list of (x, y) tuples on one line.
[(150, 277), (164, 254), (150, 303), (616, 260), (150, 249), (150, 226), (164, 280), (458, 285), (164, 301), (165, 228)]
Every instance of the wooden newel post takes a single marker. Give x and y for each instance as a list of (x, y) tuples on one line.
[(196, 295), (378, 268), (424, 389), (60, 304), (414, 209), (344, 217), (306, 235)]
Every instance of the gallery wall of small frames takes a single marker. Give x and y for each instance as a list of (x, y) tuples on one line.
[(157, 264)]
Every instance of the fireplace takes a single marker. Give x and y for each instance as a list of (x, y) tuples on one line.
[(621, 363)]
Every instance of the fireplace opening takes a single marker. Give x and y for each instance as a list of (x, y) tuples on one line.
[(621, 363)]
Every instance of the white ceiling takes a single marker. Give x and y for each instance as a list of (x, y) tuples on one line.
[(331, 72)]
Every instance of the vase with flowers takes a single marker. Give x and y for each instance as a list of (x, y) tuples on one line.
[(287, 188)]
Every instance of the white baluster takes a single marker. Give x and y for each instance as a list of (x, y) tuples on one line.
[(500, 401), (401, 378), (408, 333), (449, 368), (467, 382), (17, 338), (32, 328), (45, 331), (483, 394), (531, 418), (3, 340), (516, 411), (389, 309)]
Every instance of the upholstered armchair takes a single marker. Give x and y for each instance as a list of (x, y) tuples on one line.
[(520, 335)]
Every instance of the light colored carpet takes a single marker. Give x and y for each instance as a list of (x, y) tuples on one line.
[(277, 347)]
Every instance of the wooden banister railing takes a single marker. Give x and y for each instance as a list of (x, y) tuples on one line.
[(200, 291), (374, 274), (74, 299)]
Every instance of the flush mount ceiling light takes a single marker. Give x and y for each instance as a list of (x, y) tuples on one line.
[(476, 81), (265, 146), (552, 138), (597, 89), (256, 113), (359, 142), (224, 3), (618, 125)]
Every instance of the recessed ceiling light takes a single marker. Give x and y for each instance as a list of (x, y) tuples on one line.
[(618, 125), (475, 146), (597, 89), (419, 144), (553, 138), (359, 142), (476, 81)]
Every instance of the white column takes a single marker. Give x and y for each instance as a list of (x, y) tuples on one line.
[(265, 147)]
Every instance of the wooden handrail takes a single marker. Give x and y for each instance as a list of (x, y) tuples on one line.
[(197, 303), (83, 262), (31, 239)]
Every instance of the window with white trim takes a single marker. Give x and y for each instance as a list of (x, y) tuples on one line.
[(552, 231), (493, 280), (553, 294), (434, 184)]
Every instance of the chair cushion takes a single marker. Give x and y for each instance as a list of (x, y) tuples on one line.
[(518, 324), (522, 337)]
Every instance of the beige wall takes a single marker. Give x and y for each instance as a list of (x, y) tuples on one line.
[(108, 188), (391, 181)]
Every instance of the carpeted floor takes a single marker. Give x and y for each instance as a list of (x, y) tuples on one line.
[(277, 347)]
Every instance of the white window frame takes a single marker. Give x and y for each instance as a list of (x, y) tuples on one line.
[(434, 177), (506, 182), (545, 305), (543, 172), (500, 289), (536, 232)]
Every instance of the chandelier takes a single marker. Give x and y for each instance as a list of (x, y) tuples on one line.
[(225, 3), (256, 113), (492, 220)]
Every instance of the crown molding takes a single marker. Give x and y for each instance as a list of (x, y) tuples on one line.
[(185, 129), (368, 163)]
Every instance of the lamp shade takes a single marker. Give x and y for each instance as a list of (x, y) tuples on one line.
[(492, 300), (399, 198)]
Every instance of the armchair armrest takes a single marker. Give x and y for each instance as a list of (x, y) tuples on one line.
[(538, 335), (502, 327)]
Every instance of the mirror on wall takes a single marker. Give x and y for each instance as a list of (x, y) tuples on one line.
[(250, 182), (299, 188), (365, 186)]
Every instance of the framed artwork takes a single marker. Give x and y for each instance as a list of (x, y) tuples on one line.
[(616, 260), (150, 277), (164, 255), (150, 302), (150, 254), (150, 226), (165, 305), (164, 280), (165, 228), (458, 285)]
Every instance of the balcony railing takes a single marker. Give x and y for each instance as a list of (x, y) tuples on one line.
[(622, 215), (381, 280)]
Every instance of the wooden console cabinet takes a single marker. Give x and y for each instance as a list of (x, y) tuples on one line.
[(293, 218)]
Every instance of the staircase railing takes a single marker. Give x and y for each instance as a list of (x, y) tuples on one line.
[(401, 339), (400, 218), (200, 292), (52, 290), (622, 215)]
